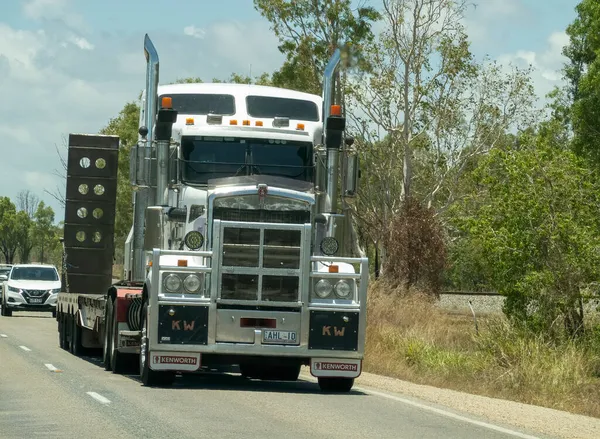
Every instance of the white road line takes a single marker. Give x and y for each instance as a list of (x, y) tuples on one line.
[(25, 348), (52, 368), (448, 414), (99, 397), (3, 335)]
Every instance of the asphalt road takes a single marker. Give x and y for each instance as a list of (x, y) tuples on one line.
[(47, 392)]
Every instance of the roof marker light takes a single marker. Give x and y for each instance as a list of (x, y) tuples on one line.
[(233, 122), (334, 268), (258, 123), (166, 102), (246, 122), (189, 121), (182, 263), (300, 126)]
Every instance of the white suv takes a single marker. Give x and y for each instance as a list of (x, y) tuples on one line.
[(30, 287)]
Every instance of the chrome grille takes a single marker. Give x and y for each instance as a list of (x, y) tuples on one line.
[(262, 215), (261, 262)]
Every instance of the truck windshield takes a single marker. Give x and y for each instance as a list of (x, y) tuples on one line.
[(206, 157), (34, 273)]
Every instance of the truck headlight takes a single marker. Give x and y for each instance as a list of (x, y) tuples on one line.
[(192, 283), (343, 289), (172, 283), (323, 288)]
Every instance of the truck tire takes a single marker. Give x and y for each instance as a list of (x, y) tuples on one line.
[(5, 311), (119, 362), (107, 336), (336, 385), (76, 346), (148, 376), (62, 336)]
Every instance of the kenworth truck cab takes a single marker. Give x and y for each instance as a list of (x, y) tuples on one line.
[(239, 254)]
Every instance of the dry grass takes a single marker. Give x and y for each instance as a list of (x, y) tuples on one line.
[(410, 338)]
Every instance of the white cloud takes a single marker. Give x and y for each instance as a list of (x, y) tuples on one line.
[(484, 17), (194, 31), (37, 9), (81, 42), (61, 80), (547, 63)]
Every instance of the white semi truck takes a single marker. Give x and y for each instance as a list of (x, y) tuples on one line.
[(239, 254)]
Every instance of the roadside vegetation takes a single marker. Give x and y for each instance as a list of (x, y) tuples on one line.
[(28, 232), (410, 338)]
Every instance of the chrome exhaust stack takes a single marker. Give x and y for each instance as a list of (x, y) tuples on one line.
[(143, 185), (333, 129)]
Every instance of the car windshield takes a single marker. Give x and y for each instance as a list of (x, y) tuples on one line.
[(34, 273), (206, 157)]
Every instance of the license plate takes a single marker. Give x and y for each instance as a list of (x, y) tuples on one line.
[(280, 337), (36, 300)]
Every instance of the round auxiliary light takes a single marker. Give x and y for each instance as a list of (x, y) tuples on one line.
[(172, 283), (342, 289), (329, 246), (194, 240), (192, 283), (323, 288)]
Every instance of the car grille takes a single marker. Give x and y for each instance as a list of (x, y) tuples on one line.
[(36, 295)]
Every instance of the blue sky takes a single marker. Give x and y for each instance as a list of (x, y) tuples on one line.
[(70, 65)]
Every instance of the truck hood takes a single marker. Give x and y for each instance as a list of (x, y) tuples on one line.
[(34, 284), (269, 180)]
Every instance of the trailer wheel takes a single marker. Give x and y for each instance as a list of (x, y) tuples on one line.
[(118, 361), (61, 331), (336, 385), (5, 311), (107, 336), (76, 346), (148, 376)]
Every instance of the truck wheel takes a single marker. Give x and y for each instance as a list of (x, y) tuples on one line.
[(336, 385), (76, 346), (61, 331), (5, 311), (287, 373), (148, 376), (107, 336), (117, 360)]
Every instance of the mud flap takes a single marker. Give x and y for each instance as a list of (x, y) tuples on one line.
[(335, 367), (188, 362)]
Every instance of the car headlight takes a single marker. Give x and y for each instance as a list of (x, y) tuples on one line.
[(14, 290), (192, 283), (55, 291), (172, 283), (323, 288), (343, 289)]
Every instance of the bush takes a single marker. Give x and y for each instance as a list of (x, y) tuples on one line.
[(416, 252)]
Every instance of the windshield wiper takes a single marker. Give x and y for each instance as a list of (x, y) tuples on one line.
[(251, 167)]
